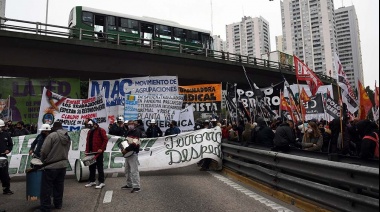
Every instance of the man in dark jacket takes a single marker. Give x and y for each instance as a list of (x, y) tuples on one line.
[(369, 133), (20, 130), (54, 155), (117, 127), (284, 136), (6, 146), (35, 148), (153, 130), (173, 129), (262, 134), (96, 142)]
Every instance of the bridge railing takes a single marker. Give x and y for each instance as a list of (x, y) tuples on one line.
[(117, 39), (342, 186)]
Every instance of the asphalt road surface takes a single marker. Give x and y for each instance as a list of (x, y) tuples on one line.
[(182, 189)]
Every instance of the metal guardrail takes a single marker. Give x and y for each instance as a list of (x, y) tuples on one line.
[(344, 187), (117, 39)]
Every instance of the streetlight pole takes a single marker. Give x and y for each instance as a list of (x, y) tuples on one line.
[(46, 17)]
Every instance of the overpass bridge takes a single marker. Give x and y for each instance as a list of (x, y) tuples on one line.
[(27, 50)]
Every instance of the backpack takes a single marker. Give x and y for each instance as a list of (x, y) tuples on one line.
[(376, 140)]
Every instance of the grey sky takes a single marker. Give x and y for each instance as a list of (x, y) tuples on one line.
[(197, 13)]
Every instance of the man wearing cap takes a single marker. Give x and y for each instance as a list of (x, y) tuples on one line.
[(6, 146), (96, 142), (153, 130), (35, 148), (54, 155), (131, 163), (117, 127)]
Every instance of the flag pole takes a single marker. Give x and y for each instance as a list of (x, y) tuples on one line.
[(340, 113)]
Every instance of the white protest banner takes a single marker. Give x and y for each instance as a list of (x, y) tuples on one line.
[(159, 107), (71, 112), (323, 89), (185, 123), (115, 90), (155, 154)]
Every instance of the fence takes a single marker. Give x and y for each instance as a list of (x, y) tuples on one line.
[(117, 39), (341, 186)]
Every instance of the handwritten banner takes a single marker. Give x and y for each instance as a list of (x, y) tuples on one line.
[(155, 154), (71, 112)]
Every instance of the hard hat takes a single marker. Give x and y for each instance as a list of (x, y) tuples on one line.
[(45, 127), (153, 121), (126, 122), (120, 119), (213, 119), (90, 123), (2, 124)]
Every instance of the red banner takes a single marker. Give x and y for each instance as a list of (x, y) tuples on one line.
[(304, 73)]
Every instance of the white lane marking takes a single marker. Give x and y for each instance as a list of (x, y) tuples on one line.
[(108, 197), (251, 194)]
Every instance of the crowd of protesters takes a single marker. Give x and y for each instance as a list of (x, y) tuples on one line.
[(353, 138)]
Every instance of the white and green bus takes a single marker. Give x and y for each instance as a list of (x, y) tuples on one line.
[(101, 24)]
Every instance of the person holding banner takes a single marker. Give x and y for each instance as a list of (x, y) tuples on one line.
[(96, 142), (6, 146), (131, 162)]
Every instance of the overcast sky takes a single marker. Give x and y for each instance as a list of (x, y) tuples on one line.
[(198, 13)]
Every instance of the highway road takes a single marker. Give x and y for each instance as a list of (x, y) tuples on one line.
[(182, 189)]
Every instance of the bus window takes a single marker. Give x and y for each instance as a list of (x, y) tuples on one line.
[(179, 34), (193, 37), (87, 18), (111, 23), (128, 25), (163, 32)]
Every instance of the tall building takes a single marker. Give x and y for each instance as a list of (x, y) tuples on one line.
[(279, 43), (348, 42), (308, 29), (249, 37), (2, 10), (219, 43)]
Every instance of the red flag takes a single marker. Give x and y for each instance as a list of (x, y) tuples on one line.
[(365, 102), (304, 73), (286, 107), (376, 95), (304, 97)]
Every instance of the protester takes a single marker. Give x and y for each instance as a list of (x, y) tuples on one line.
[(369, 132), (233, 133), (262, 135), (117, 127), (312, 139), (153, 130), (140, 126), (173, 129), (96, 142), (6, 146), (284, 136), (54, 155), (36, 145), (224, 133), (131, 163), (247, 133), (20, 130)]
